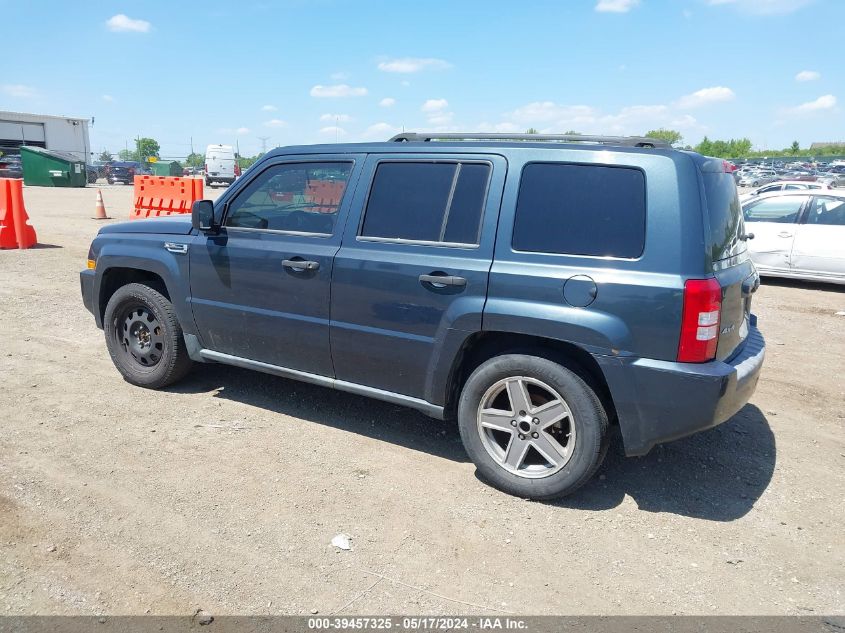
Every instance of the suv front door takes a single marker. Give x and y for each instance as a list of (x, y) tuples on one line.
[(260, 288), (411, 277)]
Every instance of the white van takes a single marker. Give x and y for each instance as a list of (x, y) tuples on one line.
[(220, 164)]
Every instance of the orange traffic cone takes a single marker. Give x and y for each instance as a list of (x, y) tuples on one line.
[(100, 212)]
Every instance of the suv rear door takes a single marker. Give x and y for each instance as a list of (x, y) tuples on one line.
[(416, 219)]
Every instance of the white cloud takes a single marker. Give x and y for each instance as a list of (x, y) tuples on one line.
[(764, 7), (442, 118), (505, 127), (339, 118), (825, 102), (275, 123), (705, 96), (108, 98), (381, 131), (19, 91), (547, 111), (616, 6), (269, 108), (338, 90), (242, 130), (387, 102), (405, 83), (434, 105), (413, 64), (808, 75), (121, 22), (339, 76), (333, 130)]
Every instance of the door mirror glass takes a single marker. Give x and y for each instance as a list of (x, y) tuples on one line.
[(202, 215)]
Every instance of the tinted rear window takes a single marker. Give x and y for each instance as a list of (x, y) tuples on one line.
[(725, 212), (580, 210), (427, 202)]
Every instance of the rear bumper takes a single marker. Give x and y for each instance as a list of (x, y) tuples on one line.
[(658, 401)]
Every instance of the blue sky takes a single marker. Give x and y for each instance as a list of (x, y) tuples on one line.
[(307, 71)]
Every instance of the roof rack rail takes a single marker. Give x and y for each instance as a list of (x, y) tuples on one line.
[(627, 141)]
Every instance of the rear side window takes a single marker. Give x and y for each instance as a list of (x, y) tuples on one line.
[(725, 214), (780, 209), (427, 202), (580, 210), (827, 211)]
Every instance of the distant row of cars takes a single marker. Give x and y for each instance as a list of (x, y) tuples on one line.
[(756, 175)]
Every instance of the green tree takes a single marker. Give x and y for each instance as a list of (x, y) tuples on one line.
[(105, 156), (195, 160), (795, 148), (126, 154), (245, 162), (146, 148), (673, 137), (572, 133), (531, 130)]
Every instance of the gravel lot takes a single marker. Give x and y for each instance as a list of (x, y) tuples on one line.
[(224, 492)]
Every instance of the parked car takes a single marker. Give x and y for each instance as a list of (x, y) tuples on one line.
[(798, 234), (756, 178), (95, 171), (537, 291), (10, 166), (221, 165), (783, 185), (125, 172)]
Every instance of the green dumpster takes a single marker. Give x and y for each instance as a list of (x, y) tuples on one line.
[(166, 168), (49, 168)]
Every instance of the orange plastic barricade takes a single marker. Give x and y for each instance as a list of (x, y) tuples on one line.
[(165, 195), (15, 229), (325, 194)]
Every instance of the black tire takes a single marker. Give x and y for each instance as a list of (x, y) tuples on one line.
[(588, 418), (164, 360)]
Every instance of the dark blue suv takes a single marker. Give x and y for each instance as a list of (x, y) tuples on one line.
[(537, 289)]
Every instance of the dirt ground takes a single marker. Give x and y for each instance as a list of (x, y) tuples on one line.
[(223, 493)]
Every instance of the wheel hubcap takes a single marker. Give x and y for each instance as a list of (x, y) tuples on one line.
[(526, 427), (141, 336)]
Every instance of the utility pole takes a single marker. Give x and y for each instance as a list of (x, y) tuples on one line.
[(263, 140)]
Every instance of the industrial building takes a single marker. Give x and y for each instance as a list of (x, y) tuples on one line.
[(58, 133)]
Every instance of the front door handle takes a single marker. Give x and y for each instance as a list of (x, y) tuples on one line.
[(784, 234), (439, 281), (300, 265)]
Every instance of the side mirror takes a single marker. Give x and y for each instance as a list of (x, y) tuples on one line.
[(202, 215)]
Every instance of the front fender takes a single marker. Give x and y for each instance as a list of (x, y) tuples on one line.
[(147, 253)]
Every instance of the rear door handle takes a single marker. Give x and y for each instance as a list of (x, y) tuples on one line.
[(784, 234), (300, 265), (443, 280)]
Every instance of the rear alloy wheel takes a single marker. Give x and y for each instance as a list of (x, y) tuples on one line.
[(534, 428), (144, 337)]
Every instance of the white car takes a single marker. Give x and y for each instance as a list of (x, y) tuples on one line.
[(783, 185), (798, 234)]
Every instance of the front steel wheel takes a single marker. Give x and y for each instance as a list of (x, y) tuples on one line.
[(144, 337)]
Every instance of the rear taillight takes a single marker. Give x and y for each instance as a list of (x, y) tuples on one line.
[(700, 321)]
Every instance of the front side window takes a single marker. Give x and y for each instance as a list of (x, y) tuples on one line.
[(781, 209), (297, 197), (827, 211), (427, 202), (580, 210)]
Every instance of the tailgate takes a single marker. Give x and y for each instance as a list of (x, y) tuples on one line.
[(728, 252)]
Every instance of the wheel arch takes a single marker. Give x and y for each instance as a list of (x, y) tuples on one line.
[(116, 277), (482, 346)]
